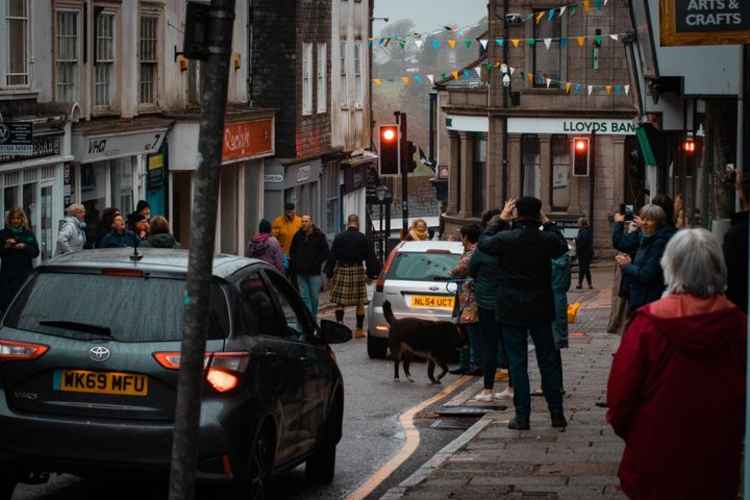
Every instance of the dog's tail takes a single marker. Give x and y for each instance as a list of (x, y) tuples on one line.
[(388, 313)]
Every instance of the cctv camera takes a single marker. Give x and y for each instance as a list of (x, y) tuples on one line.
[(513, 18)]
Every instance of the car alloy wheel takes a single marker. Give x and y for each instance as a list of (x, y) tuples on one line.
[(260, 464)]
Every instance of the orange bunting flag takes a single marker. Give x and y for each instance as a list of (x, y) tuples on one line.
[(406, 80), (530, 77), (586, 5), (609, 89), (452, 44), (581, 40), (455, 75), (539, 16), (516, 42), (568, 85), (378, 82)]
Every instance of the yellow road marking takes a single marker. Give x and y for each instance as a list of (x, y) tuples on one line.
[(410, 446)]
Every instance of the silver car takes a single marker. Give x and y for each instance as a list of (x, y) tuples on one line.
[(415, 280)]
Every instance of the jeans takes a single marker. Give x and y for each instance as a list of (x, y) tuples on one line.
[(548, 358), (493, 350), (469, 353), (309, 289)]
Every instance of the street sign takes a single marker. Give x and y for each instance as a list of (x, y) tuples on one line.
[(16, 138), (705, 22)]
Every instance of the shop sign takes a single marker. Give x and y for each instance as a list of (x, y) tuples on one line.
[(155, 175), (303, 174), (273, 178), (89, 149), (574, 126), (704, 22), (247, 140), (16, 138), (46, 145)]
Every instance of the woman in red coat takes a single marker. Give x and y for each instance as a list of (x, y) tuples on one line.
[(676, 391)]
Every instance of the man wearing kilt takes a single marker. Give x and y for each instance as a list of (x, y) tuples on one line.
[(347, 273)]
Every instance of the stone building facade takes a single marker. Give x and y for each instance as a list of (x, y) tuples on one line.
[(543, 118)]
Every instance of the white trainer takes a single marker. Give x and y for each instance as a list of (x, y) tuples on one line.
[(506, 394), (485, 396)]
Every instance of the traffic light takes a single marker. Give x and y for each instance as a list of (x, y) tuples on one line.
[(688, 145), (389, 150), (411, 163), (581, 156)]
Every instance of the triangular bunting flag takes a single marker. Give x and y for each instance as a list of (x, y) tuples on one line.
[(605, 2), (406, 80), (516, 42), (431, 78), (455, 75), (504, 68), (573, 10), (618, 89), (500, 42), (586, 6), (581, 40), (551, 14), (568, 85), (539, 16), (468, 43), (608, 88), (452, 43), (530, 78), (548, 81), (579, 87), (627, 89), (467, 74), (548, 43), (381, 41), (417, 79), (436, 44), (615, 37), (444, 76), (484, 44), (478, 69), (387, 42), (563, 9), (370, 43), (591, 89), (563, 42), (531, 42), (419, 43), (402, 44), (378, 82), (512, 70), (598, 4)]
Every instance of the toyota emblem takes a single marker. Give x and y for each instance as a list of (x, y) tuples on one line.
[(99, 353)]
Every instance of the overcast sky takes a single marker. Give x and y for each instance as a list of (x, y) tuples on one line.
[(429, 15)]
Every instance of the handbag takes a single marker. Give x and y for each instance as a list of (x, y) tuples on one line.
[(470, 314)]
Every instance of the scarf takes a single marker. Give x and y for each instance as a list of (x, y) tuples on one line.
[(418, 235)]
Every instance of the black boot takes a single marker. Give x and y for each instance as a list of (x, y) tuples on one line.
[(558, 419), (519, 424)]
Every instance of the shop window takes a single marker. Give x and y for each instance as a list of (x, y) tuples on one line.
[(47, 235), (322, 78), (547, 63), (307, 78), (104, 59), (66, 55), (148, 59), (359, 88), (530, 166), (122, 185), (10, 200), (17, 22), (478, 173), (560, 172)]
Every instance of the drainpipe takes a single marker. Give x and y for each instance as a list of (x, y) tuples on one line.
[(506, 90)]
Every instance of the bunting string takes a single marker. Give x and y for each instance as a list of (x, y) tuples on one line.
[(580, 40)]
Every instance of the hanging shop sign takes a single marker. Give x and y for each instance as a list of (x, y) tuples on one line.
[(156, 172), (16, 138), (39, 147), (108, 147), (705, 22), (246, 140)]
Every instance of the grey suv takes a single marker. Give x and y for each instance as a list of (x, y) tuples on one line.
[(89, 357)]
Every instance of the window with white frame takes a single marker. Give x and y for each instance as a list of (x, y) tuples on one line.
[(17, 22), (359, 88), (66, 55), (104, 62), (148, 59), (307, 78), (322, 73), (344, 88)]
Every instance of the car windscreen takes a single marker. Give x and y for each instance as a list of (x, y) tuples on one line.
[(420, 266), (123, 308)]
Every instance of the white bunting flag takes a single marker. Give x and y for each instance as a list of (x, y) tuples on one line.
[(504, 68), (591, 89), (419, 43), (615, 37), (627, 89), (431, 78), (484, 43), (549, 82), (512, 70), (563, 9), (478, 69), (605, 2), (548, 43)]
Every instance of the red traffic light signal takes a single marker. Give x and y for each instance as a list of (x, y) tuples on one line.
[(688, 146), (581, 156), (389, 143)]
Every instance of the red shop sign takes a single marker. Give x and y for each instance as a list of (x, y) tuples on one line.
[(247, 139)]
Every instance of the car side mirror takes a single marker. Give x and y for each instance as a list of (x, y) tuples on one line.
[(334, 333)]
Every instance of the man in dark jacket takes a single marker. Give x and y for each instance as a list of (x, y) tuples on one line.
[(119, 236), (584, 251), (307, 254), (349, 278), (525, 302), (736, 247)]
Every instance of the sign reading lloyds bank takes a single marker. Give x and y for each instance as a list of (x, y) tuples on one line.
[(574, 126)]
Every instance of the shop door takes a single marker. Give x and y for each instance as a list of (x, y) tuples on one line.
[(46, 233), (229, 210)]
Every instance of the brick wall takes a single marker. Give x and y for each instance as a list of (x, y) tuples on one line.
[(279, 28)]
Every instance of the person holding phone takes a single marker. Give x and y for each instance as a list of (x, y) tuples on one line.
[(18, 249)]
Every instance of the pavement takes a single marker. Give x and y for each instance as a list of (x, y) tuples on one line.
[(491, 461)]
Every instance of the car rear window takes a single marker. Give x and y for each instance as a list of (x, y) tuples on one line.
[(414, 266), (129, 309)]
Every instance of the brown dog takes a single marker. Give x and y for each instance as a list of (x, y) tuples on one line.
[(436, 341)]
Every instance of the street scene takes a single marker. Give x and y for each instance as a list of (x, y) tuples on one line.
[(374, 249)]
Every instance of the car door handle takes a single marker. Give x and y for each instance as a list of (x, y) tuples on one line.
[(303, 358), (271, 355)]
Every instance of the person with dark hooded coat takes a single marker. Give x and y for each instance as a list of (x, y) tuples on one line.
[(266, 247), (18, 249), (642, 277), (119, 237), (159, 235), (736, 248), (677, 387)]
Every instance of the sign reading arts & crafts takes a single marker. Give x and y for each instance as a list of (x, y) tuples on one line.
[(704, 22), (571, 126), (245, 140)]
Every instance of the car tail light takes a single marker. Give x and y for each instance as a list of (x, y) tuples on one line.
[(11, 350), (223, 369), (380, 284), (438, 250)]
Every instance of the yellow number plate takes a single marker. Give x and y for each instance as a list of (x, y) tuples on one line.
[(115, 383), (432, 302)]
